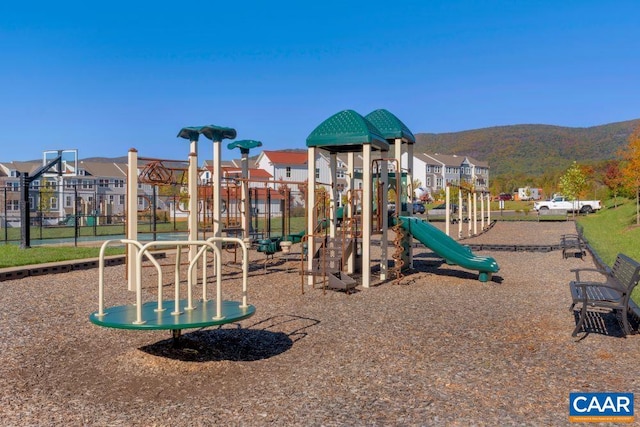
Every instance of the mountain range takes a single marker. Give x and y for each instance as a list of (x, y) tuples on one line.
[(531, 149), (524, 149)]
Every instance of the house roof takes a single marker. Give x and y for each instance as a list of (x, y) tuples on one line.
[(23, 166), (448, 159), (298, 157), (101, 169), (254, 173)]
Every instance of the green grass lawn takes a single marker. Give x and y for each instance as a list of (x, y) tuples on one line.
[(612, 231), (12, 256)]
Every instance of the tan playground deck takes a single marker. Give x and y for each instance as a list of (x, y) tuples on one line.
[(442, 349)]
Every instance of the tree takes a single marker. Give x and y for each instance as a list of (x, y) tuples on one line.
[(631, 168), (612, 178), (573, 182)]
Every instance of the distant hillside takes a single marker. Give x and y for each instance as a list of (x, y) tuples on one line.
[(531, 149)]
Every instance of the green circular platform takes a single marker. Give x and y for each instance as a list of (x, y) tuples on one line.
[(124, 316)]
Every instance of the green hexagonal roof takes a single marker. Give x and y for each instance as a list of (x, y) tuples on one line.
[(390, 126), (346, 131)]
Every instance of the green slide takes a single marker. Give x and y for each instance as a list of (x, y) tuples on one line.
[(452, 251)]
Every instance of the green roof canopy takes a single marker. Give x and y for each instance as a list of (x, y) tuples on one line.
[(346, 131), (390, 126), (245, 145), (214, 133), (192, 133)]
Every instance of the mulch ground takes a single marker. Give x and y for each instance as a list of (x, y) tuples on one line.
[(441, 348)]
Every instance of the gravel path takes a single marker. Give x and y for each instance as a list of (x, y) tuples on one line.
[(441, 349)]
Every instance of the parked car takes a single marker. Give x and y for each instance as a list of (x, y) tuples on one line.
[(418, 208), (505, 196)]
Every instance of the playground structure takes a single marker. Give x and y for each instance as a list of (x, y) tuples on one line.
[(332, 249), (184, 313), (334, 255)]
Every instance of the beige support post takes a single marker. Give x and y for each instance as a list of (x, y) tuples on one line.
[(192, 186), (311, 197), (488, 209), (481, 211), (384, 203), (475, 213), (132, 215), (459, 213), (447, 205), (367, 198), (469, 212), (216, 183)]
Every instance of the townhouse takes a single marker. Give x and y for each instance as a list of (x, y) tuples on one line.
[(99, 187), (436, 171)]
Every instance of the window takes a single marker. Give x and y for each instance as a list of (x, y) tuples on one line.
[(439, 182), (68, 202), (13, 205), (87, 184), (288, 172), (436, 169), (317, 173), (428, 179), (53, 203), (118, 183), (122, 199), (428, 168)]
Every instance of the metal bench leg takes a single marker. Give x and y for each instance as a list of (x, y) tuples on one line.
[(583, 316), (625, 322)]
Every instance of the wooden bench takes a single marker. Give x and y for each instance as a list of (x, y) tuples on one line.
[(613, 294), (572, 244)]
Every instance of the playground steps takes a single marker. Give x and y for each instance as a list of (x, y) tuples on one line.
[(328, 261), (341, 281)]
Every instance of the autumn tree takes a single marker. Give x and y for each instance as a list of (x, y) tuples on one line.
[(631, 168), (612, 178)]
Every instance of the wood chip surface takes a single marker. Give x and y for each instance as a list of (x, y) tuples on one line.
[(441, 348)]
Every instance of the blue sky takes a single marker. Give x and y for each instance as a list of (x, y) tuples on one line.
[(104, 77)]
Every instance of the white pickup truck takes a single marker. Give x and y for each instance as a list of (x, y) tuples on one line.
[(561, 203)]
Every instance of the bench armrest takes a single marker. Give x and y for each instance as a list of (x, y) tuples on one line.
[(577, 271), (585, 285)]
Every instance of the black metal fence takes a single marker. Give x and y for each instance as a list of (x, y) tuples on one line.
[(72, 212), (76, 212)]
